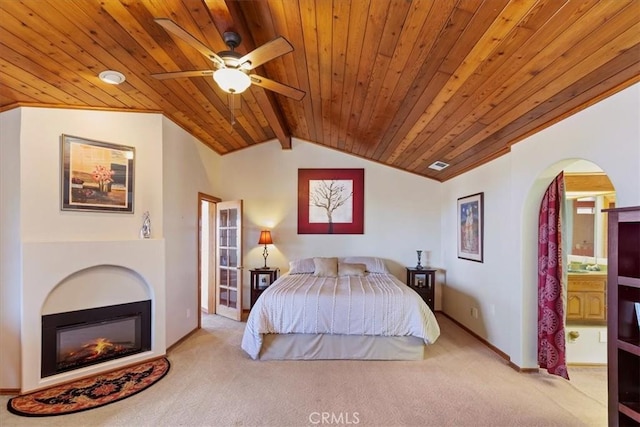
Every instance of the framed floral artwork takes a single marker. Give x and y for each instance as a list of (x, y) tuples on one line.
[(96, 176), (471, 227), (330, 201)]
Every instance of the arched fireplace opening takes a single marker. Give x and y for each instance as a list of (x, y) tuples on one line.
[(95, 315)]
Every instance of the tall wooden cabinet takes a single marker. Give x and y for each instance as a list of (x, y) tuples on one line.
[(623, 301)]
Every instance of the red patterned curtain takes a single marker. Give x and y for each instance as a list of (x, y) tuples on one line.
[(551, 343)]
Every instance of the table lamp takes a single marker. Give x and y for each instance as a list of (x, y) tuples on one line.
[(265, 239)]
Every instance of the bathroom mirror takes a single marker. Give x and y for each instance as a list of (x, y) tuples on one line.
[(587, 226), (587, 195)]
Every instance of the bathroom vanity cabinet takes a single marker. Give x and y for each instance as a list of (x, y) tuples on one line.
[(587, 298)]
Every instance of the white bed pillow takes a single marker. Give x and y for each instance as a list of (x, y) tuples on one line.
[(326, 267), (346, 269), (302, 266), (373, 264)]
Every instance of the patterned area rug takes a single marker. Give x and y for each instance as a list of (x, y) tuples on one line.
[(91, 392)]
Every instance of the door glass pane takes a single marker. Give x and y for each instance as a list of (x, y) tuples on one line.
[(233, 298), (233, 258), (224, 300), (233, 278), (232, 217), (232, 233), (224, 276), (223, 237), (224, 218), (224, 257)]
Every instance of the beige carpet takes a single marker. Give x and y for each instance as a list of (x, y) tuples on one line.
[(460, 383)]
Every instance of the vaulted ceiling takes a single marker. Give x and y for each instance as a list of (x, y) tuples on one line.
[(404, 83)]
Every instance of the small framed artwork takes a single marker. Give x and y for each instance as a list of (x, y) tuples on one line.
[(96, 176), (470, 223), (330, 201)]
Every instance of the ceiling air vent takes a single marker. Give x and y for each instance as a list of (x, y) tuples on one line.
[(438, 165)]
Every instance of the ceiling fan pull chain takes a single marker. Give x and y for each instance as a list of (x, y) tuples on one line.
[(233, 116)]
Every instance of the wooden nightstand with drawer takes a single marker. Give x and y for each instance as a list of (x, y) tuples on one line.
[(423, 281)]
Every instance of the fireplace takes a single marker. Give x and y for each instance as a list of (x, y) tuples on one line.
[(75, 339)]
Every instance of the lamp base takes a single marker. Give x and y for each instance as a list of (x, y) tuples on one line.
[(265, 254)]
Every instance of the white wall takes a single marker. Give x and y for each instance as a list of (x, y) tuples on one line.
[(589, 348), (401, 213), (188, 168), (607, 134), (10, 255), (42, 219), (486, 286)]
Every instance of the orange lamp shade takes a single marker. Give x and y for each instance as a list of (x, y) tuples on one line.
[(265, 238)]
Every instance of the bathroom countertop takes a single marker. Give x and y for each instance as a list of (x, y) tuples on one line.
[(586, 273)]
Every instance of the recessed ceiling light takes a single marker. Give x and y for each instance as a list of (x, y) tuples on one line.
[(438, 165), (112, 77)]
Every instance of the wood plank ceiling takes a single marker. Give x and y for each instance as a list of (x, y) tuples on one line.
[(400, 82)]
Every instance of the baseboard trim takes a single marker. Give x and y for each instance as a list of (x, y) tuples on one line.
[(491, 347), (181, 340), (586, 365), (10, 391)]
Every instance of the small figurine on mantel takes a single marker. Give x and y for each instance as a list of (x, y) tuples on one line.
[(145, 231)]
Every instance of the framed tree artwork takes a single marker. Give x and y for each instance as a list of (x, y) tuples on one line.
[(96, 176), (470, 223), (330, 201)]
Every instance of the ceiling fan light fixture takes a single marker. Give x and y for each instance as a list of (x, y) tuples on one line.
[(232, 80), (112, 77)]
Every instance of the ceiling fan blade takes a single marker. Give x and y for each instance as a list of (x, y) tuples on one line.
[(268, 51), (178, 74), (280, 88), (178, 31)]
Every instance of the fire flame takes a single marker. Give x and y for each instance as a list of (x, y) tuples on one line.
[(93, 350), (101, 345)]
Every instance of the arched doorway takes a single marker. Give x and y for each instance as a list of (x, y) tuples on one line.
[(589, 346)]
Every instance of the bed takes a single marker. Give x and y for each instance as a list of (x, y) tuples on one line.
[(339, 308)]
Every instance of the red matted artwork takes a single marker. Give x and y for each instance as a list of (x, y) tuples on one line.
[(330, 201)]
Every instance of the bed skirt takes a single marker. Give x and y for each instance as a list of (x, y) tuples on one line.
[(327, 346)]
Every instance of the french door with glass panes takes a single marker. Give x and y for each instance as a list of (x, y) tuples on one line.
[(229, 259)]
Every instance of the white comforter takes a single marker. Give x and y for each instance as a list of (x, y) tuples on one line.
[(375, 304)]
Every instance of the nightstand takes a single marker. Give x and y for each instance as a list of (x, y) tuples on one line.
[(261, 279), (423, 281)]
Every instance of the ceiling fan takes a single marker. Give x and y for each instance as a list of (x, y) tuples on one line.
[(232, 70)]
